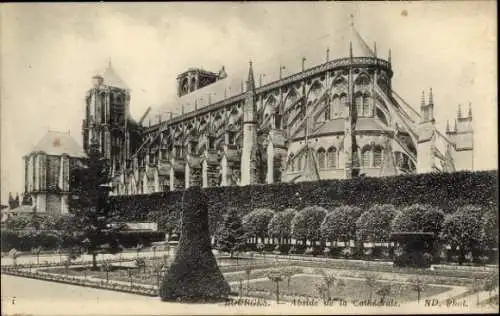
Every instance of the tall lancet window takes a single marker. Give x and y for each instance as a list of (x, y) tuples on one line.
[(377, 157), (358, 100), (321, 158), (365, 158), (366, 106), (332, 158), (343, 104)]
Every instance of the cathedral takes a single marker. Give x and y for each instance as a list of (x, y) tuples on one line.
[(335, 120)]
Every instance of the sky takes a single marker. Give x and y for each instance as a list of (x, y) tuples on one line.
[(49, 53)]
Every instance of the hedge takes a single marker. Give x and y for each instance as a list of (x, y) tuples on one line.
[(26, 240), (447, 191)]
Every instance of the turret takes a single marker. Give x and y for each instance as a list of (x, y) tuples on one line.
[(464, 140), (249, 150), (106, 116), (426, 130)]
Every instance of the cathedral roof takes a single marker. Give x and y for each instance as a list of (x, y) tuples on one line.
[(358, 44), (57, 144), (234, 84), (111, 78)]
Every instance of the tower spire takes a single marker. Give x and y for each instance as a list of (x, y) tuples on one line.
[(390, 57), (375, 48), (431, 98), (351, 16), (470, 110), (422, 99), (250, 80), (350, 49), (447, 126), (459, 111)]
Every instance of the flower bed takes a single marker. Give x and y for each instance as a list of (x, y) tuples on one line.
[(134, 289), (304, 286)]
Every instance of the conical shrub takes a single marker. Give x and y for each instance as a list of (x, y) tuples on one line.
[(194, 274)]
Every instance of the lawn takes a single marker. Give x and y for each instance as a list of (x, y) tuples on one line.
[(125, 271), (354, 289)]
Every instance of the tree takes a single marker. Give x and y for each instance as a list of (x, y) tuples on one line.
[(36, 251), (383, 291), (419, 218), (306, 223), (490, 229), (418, 286), (194, 274), (231, 235), (281, 223), (288, 273), (248, 272), (158, 269), (491, 282), (477, 286), (371, 282), (256, 222), (374, 225), (275, 277), (328, 279), (92, 216), (140, 263), (321, 289), (340, 224), (464, 229), (106, 267)]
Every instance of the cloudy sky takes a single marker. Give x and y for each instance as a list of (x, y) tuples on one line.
[(49, 53)]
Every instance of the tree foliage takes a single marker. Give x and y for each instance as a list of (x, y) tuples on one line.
[(256, 222), (340, 224), (306, 223), (464, 228), (281, 223), (93, 221), (375, 224), (419, 218), (490, 228), (231, 234)]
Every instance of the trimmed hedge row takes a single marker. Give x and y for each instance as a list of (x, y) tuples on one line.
[(447, 191), (25, 241)]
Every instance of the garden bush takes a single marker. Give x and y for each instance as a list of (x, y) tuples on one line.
[(194, 273)]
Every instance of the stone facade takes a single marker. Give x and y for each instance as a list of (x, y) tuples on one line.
[(335, 120), (47, 171)]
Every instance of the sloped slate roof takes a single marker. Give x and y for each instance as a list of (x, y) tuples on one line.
[(111, 78), (231, 85), (57, 143)]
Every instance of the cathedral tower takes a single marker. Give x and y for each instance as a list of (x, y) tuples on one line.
[(426, 130), (106, 117), (249, 150), (464, 141)]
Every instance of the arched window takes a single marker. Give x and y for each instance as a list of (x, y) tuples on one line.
[(291, 163), (365, 158), (358, 101), (343, 104), (332, 157), (299, 163), (321, 158), (377, 157), (366, 106)]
